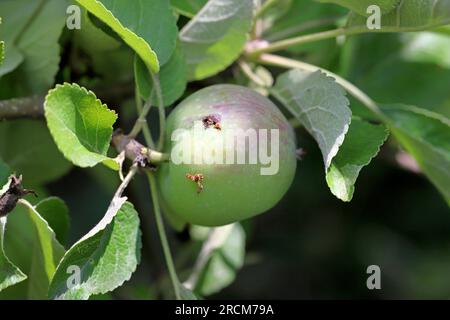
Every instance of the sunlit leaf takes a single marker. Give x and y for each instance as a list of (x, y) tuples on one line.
[(320, 105), (215, 37), (106, 257), (80, 124), (149, 27), (409, 15)]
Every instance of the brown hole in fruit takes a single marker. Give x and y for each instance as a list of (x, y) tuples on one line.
[(198, 179), (212, 120)]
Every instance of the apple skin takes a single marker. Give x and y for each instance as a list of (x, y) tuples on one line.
[(231, 192)]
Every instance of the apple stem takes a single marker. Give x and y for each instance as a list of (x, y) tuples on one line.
[(163, 237), (135, 151)]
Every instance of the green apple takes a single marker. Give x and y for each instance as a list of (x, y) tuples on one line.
[(232, 157)]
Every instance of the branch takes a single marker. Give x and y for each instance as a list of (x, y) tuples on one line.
[(135, 151), (280, 61), (33, 107), (284, 44), (22, 107)]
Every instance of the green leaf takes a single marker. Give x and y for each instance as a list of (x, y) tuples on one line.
[(32, 245), (80, 124), (409, 15), (320, 105), (92, 39), (56, 213), (31, 33), (2, 48), (2, 52), (215, 37), (426, 136), (107, 256), (148, 27), (186, 294), (361, 144), (223, 262), (360, 6), (188, 8), (172, 77), (5, 171), (28, 149), (428, 47), (9, 273), (420, 56)]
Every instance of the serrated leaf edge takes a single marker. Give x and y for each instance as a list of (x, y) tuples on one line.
[(154, 67), (96, 100), (362, 165)]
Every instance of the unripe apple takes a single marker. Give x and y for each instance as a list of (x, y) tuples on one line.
[(205, 183)]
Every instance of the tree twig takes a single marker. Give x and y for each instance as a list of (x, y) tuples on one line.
[(29, 107), (286, 43), (163, 237), (280, 61), (135, 151)]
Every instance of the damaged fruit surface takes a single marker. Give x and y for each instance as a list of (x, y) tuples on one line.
[(207, 182)]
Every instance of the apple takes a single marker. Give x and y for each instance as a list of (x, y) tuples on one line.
[(232, 156)]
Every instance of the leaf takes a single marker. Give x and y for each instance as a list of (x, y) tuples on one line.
[(2, 52), (361, 144), (409, 15), (149, 27), (31, 33), (80, 124), (320, 105), (92, 39), (188, 8), (28, 149), (428, 47), (224, 261), (56, 213), (4, 173), (186, 294), (215, 37), (426, 136), (32, 245), (9, 273), (420, 56), (2, 48), (172, 77), (360, 6), (106, 256)]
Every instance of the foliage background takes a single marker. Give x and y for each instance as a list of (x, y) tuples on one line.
[(311, 245)]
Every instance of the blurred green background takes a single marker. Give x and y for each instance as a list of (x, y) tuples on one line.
[(311, 245)]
